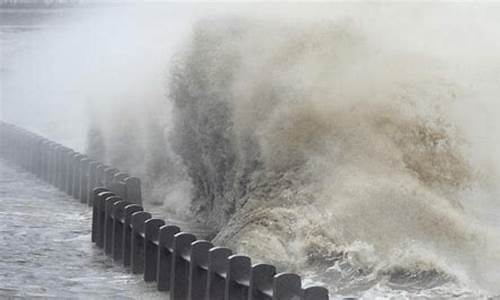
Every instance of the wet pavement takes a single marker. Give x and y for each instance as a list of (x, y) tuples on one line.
[(45, 247)]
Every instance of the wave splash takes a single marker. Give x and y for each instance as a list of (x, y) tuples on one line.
[(322, 147), (308, 148)]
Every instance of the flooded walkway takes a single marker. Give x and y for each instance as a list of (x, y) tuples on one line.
[(45, 248)]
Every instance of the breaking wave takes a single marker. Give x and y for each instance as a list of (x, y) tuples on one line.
[(313, 147), (308, 149)]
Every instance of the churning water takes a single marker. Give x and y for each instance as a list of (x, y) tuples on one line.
[(354, 144)]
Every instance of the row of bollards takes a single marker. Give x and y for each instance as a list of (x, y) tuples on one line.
[(71, 172), (179, 263)]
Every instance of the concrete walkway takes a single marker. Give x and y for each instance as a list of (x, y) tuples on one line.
[(45, 248)]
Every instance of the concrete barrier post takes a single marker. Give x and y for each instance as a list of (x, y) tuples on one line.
[(179, 280), (96, 212), (68, 181), (30, 153), (165, 252), (51, 159), (59, 166), (109, 174), (198, 269), (218, 265), (100, 174), (26, 150), (315, 293), (261, 282), (21, 147), (71, 172), (109, 203), (18, 147), (63, 168), (15, 146), (118, 185), (101, 217), (92, 181), (133, 190), (45, 160), (287, 286), (77, 173), (137, 239), (127, 233), (119, 188), (84, 175), (37, 157), (53, 163), (152, 230), (238, 277), (118, 214)]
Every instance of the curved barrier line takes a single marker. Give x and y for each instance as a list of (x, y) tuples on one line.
[(188, 268)]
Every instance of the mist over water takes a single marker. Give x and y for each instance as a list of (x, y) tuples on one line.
[(354, 144)]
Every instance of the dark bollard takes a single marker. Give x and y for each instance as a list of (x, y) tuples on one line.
[(26, 139), (133, 190), (238, 277), (137, 241), (59, 166), (127, 232), (261, 282), (95, 212), (119, 188), (109, 203), (30, 152), (109, 174), (51, 173), (34, 154), (77, 173), (37, 158), (100, 174), (287, 286), (68, 158), (45, 160), (101, 217), (92, 181), (315, 293), (55, 163), (198, 272), (152, 230), (218, 265), (27, 151), (73, 170), (40, 161), (84, 175), (118, 215), (165, 256), (118, 185), (179, 275)]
